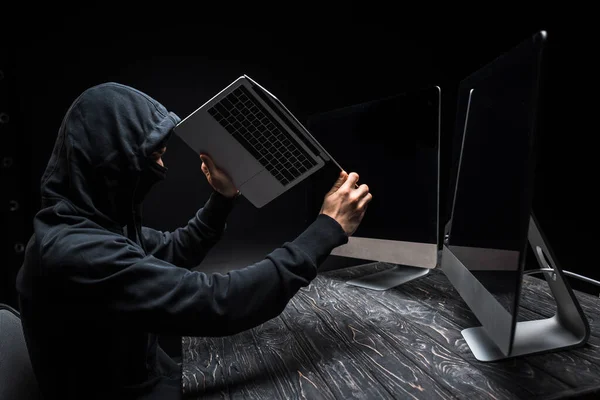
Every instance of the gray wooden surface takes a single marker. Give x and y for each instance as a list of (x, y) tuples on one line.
[(335, 341)]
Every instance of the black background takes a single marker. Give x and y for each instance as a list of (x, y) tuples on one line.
[(314, 60)]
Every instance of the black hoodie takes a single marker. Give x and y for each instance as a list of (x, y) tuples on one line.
[(93, 295)]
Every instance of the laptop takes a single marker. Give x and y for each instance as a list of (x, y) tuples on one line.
[(255, 139)]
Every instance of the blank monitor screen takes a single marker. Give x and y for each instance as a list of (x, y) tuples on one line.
[(492, 204), (392, 143)]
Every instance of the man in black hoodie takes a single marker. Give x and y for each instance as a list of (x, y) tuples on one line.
[(96, 287)]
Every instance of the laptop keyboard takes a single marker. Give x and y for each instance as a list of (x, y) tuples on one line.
[(254, 128)]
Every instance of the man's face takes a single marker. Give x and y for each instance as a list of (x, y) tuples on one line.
[(157, 156)]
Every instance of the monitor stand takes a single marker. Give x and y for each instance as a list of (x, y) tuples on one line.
[(567, 328), (389, 278)]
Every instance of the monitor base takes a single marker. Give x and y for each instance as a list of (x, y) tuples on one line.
[(531, 337), (390, 278), (567, 328)]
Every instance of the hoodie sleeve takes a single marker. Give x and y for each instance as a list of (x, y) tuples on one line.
[(186, 247), (113, 279)]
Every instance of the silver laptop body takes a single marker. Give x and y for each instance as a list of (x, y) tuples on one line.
[(253, 137)]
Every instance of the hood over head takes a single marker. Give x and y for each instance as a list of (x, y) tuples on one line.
[(101, 163)]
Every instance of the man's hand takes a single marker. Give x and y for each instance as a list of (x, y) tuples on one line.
[(218, 179), (345, 203)]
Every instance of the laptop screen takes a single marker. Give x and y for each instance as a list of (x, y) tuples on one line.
[(392, 143)]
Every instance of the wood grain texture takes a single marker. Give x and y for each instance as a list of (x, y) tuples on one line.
[(288, 364), (337, 341), (575, 367), (588, 302), (225, 368), (266, 362), (424, 307), (449, 369), (398, 375)]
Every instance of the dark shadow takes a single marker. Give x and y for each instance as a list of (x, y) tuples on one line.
[(227, 384), (333, 263), (230, 385), (171, 344)]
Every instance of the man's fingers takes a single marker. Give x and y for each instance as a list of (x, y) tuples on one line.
[(338, 183), (208, 161), (205, 169), (340, 180), (365, 201), (359, 194), (362, 191), (350, 183)]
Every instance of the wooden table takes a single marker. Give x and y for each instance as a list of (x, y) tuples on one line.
[(335, 341)]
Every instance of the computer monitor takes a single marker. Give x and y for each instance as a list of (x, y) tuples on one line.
[(393, 144), (491, 223)]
